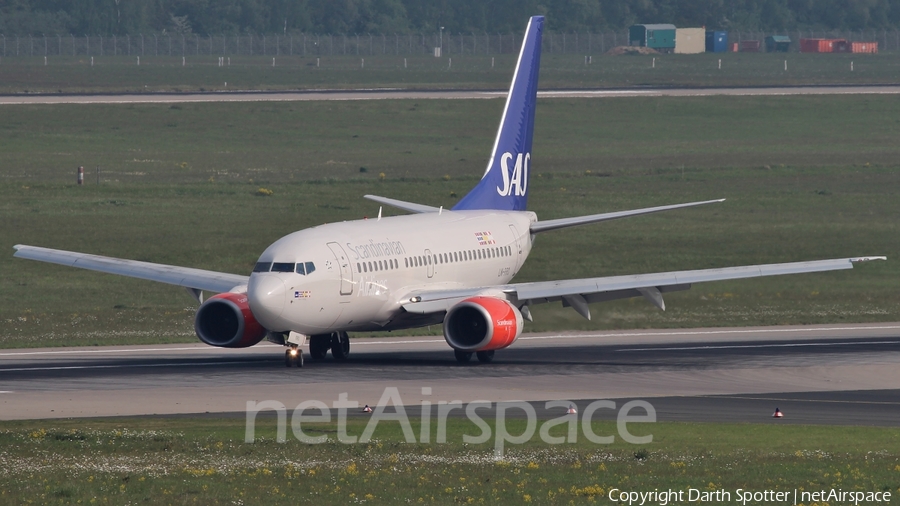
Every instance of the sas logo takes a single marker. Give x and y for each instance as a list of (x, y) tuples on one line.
[(515, 180)]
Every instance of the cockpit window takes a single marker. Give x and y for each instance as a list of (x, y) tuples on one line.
[(310, 267), (300, 269), (282, 267), (262, 267)]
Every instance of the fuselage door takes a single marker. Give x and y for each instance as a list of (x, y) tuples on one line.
[(429, 263), (346, 271), (517, 249)]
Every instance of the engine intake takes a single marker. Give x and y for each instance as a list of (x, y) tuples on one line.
[(225, 320), (482, 324)]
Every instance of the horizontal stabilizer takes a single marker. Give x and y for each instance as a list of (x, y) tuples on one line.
[(399, 204), (187, 277), (545, 225)]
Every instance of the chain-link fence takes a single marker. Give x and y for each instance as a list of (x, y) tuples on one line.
[(305, 44)]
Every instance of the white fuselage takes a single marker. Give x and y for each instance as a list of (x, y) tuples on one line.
[(356, 275)]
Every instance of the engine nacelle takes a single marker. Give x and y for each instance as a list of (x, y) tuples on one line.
[(225, 320), (482, 324)]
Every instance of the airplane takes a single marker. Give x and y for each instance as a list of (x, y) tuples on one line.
[(434, 266)]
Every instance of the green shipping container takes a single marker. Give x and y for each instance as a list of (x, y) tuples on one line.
[(657, 36)]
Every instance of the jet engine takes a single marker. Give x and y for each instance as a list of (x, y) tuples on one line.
[(225, 320), (482, 324)]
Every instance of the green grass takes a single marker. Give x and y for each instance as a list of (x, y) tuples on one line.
[(206, 461), (805, 178), (112, 74)]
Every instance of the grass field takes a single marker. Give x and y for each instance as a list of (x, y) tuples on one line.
[(805, 178), (114, 74), (206, 461)]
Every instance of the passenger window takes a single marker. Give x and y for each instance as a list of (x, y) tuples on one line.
[(282, 267), (406, 262), (310, 267), (358, 267), (262, 267), (300, 269)]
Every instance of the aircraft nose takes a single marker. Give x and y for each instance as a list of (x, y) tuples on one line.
[(266, 294)]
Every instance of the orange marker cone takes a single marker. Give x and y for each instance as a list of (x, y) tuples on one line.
[(367, 409), (777, 413), (572, 410)]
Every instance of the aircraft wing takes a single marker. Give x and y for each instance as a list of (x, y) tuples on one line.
[(578, 293), (545, 225), (400, 204), (196, 279)]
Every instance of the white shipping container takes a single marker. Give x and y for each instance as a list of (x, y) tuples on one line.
[(690, 40)]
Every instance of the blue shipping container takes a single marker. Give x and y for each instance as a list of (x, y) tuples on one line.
[(716, 42)]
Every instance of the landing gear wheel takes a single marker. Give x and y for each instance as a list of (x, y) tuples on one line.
[(462, 356), (293, 356), (340, 345), (485, 357), (318, 346)]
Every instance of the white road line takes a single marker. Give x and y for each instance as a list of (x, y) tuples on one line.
[(72, 351), (440, 340), (787, 345), (6, 391), (710, 332), (119, 366)]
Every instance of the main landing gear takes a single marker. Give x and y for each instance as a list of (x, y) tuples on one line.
[(485, 357), (337, 342)]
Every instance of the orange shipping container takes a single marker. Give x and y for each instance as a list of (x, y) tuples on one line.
[(824, 46), (812, 46), (864, 47)]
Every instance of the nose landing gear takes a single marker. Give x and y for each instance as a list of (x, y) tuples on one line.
[(293, 356)]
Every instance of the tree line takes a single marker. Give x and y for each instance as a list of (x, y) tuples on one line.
[(232, 17)]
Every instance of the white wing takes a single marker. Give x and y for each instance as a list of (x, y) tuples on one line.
[(578, 293), (196, 279)]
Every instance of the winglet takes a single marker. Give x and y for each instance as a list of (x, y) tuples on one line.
[(504, 185)]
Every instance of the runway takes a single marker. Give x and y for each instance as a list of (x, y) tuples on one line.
[(840, 374), (387, 94)]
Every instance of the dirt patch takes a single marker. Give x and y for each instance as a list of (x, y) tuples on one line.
[(631, 50)]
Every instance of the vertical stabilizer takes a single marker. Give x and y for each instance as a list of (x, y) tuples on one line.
[(504, 185)]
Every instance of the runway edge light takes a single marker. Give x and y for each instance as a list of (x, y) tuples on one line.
[(777, 413)]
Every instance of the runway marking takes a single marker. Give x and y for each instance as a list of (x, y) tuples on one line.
[(709, 332), (6, 391), (785, 345), (119, 366), (833, 401), (440, 340), (133, 350)]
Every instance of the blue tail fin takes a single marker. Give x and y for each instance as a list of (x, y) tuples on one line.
[(504, 185)]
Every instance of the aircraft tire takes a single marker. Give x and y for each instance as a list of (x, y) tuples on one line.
[(462, 356), (485, 357), (340, 345), (319, 346)]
